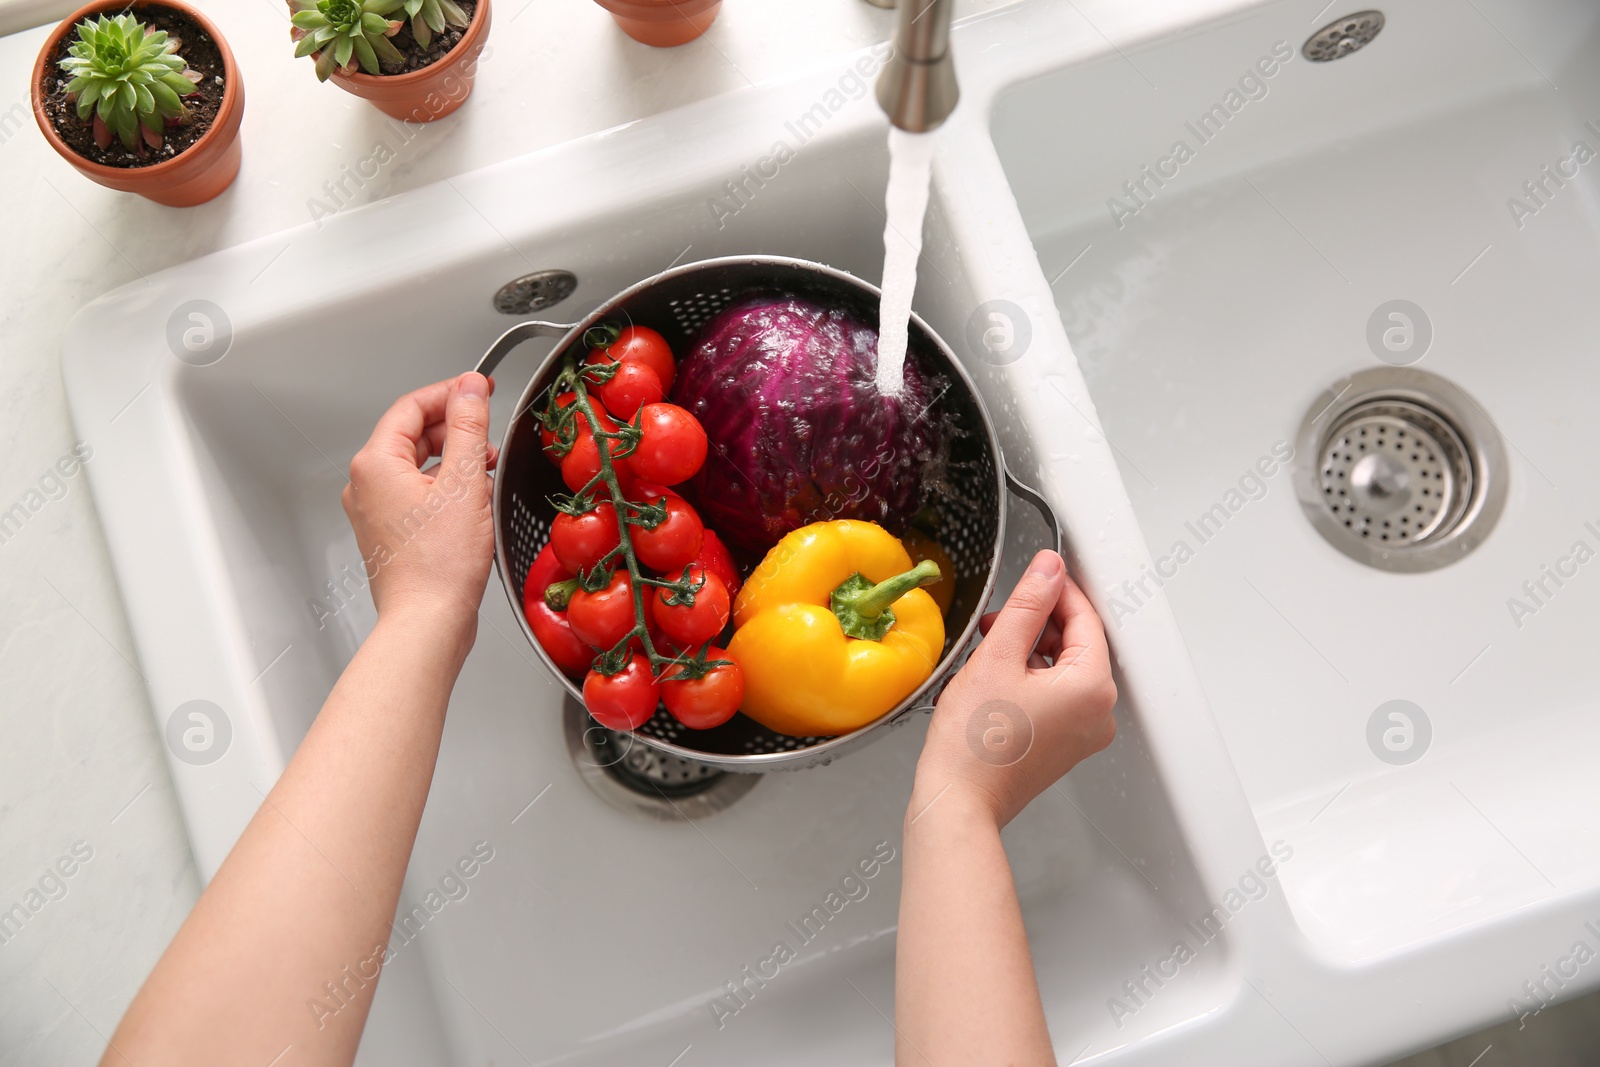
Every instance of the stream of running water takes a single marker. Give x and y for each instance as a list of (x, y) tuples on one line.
[(905, 203)]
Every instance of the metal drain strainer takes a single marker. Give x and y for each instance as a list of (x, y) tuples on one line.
[(1401, 470), (635, 777), (1341, 37), (1395, 471)]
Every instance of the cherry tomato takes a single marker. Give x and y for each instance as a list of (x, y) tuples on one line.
[(672, 445), (650, 490), (550, 627), (579, 466), (635, 384), (664, 646), (555, 636), (625, 700), (601, 619), (715, 557), (694, 624), (641, 344), (581, 541), (675, 542), (544, 569), (711, 700)]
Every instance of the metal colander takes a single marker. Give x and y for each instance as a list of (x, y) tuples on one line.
[(677, 303)]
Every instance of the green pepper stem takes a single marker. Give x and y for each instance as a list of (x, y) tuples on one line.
[(863, 608), (870, 603)]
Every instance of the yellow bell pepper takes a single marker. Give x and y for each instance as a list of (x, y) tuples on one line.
[(832, 630)]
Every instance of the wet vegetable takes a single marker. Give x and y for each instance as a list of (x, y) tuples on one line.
[(707, 701), (692, 623), (798, 431), (833, 631), (588, 596), (550, 626), (624, 699)]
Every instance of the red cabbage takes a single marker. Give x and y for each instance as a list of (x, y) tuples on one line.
[(798, 430)]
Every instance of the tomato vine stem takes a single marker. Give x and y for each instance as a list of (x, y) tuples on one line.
[(615, 659)]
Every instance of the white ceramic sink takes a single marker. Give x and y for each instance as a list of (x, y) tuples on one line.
[(1202, 330)]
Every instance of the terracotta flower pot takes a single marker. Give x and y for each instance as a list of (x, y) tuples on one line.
[(663, 23), (434, 91), (191, 177)]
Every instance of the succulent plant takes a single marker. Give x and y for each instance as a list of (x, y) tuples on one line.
[(127, 79), (429, 17), (344, 33)]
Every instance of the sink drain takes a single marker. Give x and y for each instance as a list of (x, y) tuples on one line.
[(1391, 469), (534, 292), (1341, 37), (636, 778), (1400, 470)]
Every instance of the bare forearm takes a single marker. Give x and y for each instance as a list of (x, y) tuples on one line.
[(312, 885), (964, 981)]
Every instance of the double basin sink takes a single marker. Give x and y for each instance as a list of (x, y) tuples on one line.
[(1254, 872)]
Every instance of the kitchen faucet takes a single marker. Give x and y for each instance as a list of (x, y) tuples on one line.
[(917, 88)]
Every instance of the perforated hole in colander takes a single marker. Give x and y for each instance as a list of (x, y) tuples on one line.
[(530, 531), (695, 311)]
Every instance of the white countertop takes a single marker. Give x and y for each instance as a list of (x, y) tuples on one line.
[(81, 759)]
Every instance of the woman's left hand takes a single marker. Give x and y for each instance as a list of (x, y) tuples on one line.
[(427, 536)]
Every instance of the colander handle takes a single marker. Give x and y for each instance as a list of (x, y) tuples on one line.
[(514, 337), (1032, 496)]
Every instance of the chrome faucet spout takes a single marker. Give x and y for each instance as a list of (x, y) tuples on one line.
[(917, 88)]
